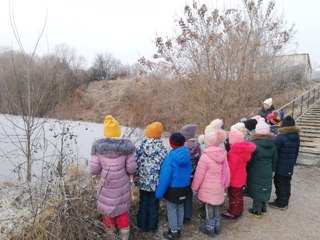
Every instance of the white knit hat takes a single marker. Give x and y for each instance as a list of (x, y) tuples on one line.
[(238, 126), (262, 128), (268, 102)]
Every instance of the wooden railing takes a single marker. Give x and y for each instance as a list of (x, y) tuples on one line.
[(299, 106)]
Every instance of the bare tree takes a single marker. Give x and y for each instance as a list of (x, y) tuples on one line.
[(217, 56), (26, 103), (105, 67)]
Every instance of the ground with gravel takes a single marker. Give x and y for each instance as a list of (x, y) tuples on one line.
[(300, 221)]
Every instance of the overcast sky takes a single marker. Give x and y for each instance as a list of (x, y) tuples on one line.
[(127, 28)]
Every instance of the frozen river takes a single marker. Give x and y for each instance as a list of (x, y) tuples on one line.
[(53, 140)]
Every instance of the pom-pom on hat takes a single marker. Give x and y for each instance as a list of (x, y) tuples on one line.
[(288, 121), (268, 102), (189, 131), (214, 125), (262, 128), (112, 128), (215, 138), (154, 130), (176, 140), (236, 136), (250, 124), (201, 139)]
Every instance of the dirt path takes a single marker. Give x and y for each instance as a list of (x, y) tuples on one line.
[(300, 221)]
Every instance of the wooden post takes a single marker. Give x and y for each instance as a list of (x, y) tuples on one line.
[(301, 105)]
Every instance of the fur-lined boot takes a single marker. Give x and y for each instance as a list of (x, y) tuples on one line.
[(124, 233)]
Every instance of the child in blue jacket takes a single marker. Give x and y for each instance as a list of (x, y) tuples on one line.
[(174, 184)]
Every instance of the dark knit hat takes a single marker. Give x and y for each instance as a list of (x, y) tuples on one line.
[(250, 124), (288, 121), (189, 131), (176, 140)]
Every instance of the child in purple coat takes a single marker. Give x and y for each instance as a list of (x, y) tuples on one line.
[(113, 160)]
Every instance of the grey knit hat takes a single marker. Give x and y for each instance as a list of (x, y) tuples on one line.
[(189, 131)]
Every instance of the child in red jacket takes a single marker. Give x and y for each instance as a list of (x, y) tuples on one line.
[(238, 156)]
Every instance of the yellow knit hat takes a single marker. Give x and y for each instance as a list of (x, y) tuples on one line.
[(154, 130), (111, 127)]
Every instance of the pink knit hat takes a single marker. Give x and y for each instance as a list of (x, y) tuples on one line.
[(215, 138), (258, 118), (262, 128), (236, 136)]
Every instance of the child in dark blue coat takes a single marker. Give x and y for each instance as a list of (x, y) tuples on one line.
[(174, 184), (287, 143)]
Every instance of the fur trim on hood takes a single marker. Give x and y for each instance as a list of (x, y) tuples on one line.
[(287, 130), (270, 136), (113, 145)]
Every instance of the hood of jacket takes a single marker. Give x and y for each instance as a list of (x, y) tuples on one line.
[(289, 130), (113, 147), (180, 156), (151, 146), (263, 140), (217, 154), (243, 147)]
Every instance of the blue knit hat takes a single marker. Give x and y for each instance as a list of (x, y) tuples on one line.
[(176, 140)]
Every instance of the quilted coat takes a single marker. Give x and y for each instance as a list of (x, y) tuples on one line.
[(113, 159), (261, 166), (287, 143), (208, 180)]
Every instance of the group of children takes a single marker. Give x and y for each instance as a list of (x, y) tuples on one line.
[(239, 161)]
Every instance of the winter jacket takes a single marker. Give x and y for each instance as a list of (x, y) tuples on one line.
[(175, 171), (263, 112), (150, 155), (195, 153), (113, 159), (238, 157), (287, 143), (208, 177), (261, 166)]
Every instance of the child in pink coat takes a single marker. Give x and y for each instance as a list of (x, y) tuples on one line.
[(238, 156), (211, 179)]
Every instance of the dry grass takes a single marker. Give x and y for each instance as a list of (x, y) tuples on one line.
[(67, 211), (137, 102)]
